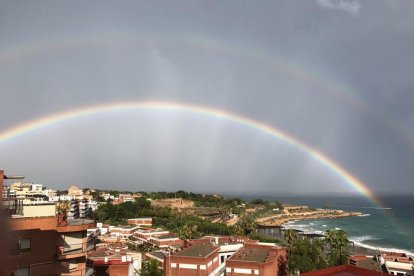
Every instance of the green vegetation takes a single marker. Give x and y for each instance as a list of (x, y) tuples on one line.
[(263, 238), (162, 217), (307, 255), (150, 268), (304, 254)]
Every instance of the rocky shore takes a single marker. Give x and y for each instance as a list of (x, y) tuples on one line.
[(287, 215)]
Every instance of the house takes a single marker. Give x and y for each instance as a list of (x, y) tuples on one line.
[(111, 260), (195, 259), (257, 259)]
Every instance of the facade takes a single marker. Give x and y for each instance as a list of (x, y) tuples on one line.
[(74, 191), (140, 221), (157, 256), (124, 231), (399, 268), (194, 260), (111, 260), (145, 234), (257, 259), (165, 241), (344, 270), (41, 243), (79, 208)]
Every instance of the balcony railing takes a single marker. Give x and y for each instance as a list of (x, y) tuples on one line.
[(76, 248), (75, 222), (12, 206)]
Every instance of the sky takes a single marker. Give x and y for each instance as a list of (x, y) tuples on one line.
[(336, 75)]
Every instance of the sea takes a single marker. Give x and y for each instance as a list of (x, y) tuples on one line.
[(387, 228)]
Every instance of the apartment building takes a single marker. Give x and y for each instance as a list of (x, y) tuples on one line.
[(257, 259), (41, 242), (194, 260), (112, 260)]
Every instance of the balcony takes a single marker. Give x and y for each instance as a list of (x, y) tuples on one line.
[(75, 250), (74, 225)]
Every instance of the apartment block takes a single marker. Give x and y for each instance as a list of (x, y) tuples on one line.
[(194, 260), (257, 259), (42, 243)]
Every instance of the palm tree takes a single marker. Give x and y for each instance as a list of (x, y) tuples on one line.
[(187, 231), (246, 226), (290, 236), (338, 243)]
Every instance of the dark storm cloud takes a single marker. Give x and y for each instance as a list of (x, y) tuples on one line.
[(240, 56)]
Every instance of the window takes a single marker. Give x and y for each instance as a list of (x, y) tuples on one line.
[(73, 264), (20, 246), (24, 271), (25, 244)]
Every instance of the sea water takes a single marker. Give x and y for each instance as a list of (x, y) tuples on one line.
[(389, 227)]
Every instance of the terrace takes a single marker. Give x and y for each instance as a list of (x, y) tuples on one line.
[(198, 250)]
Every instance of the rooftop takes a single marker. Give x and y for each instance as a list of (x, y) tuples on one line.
[(197, 250), (157, 254), (151, 230), (170, 236), (251, 254), (73, 222), (344, 270)]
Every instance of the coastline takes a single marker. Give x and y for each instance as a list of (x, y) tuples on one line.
[(286, 216), (360, 248)]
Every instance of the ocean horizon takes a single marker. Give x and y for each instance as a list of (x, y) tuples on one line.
[(387, 228)]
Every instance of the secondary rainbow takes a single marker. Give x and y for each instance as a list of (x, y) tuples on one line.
[(324, 160), (300, 71)]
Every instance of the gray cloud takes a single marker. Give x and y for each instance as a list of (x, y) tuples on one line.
[(351, 7), (337, 83)]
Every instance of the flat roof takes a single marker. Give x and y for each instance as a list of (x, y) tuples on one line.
[(151, 230), (251, 254), (157, 254), (197, 250)]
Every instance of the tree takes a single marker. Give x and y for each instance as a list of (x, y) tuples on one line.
[(188, 231), (289, 236), (150, 268), (338, 246), (245, 226)]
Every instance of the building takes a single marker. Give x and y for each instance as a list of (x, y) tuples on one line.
[(165, 241), (178, 203), (122, 198), (195, 259), (140, 221), (342, 270), (42, 243), (124, 231), (257, 259), (79, 208), (111, 260), (366, 262), (157, 256), (145, 234), (74, 191), (397, 263)]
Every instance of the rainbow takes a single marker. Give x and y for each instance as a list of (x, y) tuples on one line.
[(300, 71), (278, 134)]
